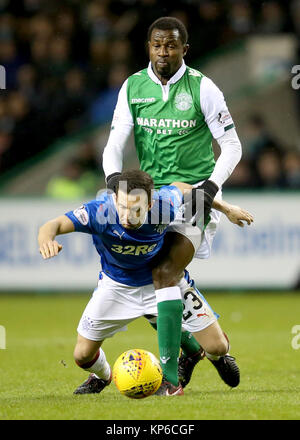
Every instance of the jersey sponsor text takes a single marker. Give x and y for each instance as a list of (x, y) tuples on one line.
[(142, 100), (133, 250), (166, 123)]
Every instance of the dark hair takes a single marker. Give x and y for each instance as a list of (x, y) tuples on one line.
[(137, 179), (169, 23)]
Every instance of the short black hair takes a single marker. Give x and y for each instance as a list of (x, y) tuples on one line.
[(137, 179), (169, 23)]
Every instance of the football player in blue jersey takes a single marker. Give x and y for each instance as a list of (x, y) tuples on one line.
[(128, 230)]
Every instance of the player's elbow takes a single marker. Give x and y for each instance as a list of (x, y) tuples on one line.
[(236, 153)]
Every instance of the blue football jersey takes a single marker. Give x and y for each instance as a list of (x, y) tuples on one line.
[(125, 254)]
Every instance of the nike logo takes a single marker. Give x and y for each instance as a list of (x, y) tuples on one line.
[(164, 359), (178, 391), (202, 314), (117, 233)]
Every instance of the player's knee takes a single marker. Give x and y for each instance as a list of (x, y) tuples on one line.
[(82, 355), (217, 347), (165, 276)]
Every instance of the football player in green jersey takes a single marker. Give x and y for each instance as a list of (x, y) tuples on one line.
[(174, 112)]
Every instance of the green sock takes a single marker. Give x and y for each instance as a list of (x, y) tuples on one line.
[(169, 335), (188, 343)]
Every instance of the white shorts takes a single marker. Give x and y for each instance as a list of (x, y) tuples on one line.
[(114, 305), (202, 241)]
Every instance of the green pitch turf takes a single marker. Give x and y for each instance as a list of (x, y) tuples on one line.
[(38, 374)]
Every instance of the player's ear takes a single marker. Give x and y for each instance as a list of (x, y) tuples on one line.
[(185, 49)]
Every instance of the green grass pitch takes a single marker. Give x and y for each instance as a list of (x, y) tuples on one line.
[(38, 374)]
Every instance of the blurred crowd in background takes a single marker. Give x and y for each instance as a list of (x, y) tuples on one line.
[(66, 60)]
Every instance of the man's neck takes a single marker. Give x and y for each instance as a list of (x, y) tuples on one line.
[(165, 80)]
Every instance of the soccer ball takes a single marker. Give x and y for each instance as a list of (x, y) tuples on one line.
[(137, 373)]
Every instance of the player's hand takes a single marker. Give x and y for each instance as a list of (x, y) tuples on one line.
[(112, 181), (50, 249), (238, 215)]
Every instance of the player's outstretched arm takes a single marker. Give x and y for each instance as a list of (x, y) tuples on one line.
[(48, 246), (234, 213)]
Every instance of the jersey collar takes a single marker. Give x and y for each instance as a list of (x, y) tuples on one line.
[(179, 74)]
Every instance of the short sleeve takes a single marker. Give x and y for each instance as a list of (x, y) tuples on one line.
[(91, 217), (168, 200), (214, 108)]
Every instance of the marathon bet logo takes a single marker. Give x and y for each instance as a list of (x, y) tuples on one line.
[(183, 101), (166, 123)]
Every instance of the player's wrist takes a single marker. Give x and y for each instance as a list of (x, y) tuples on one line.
[(219, 205), (45, 238), (226, 209), (47, 232)]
